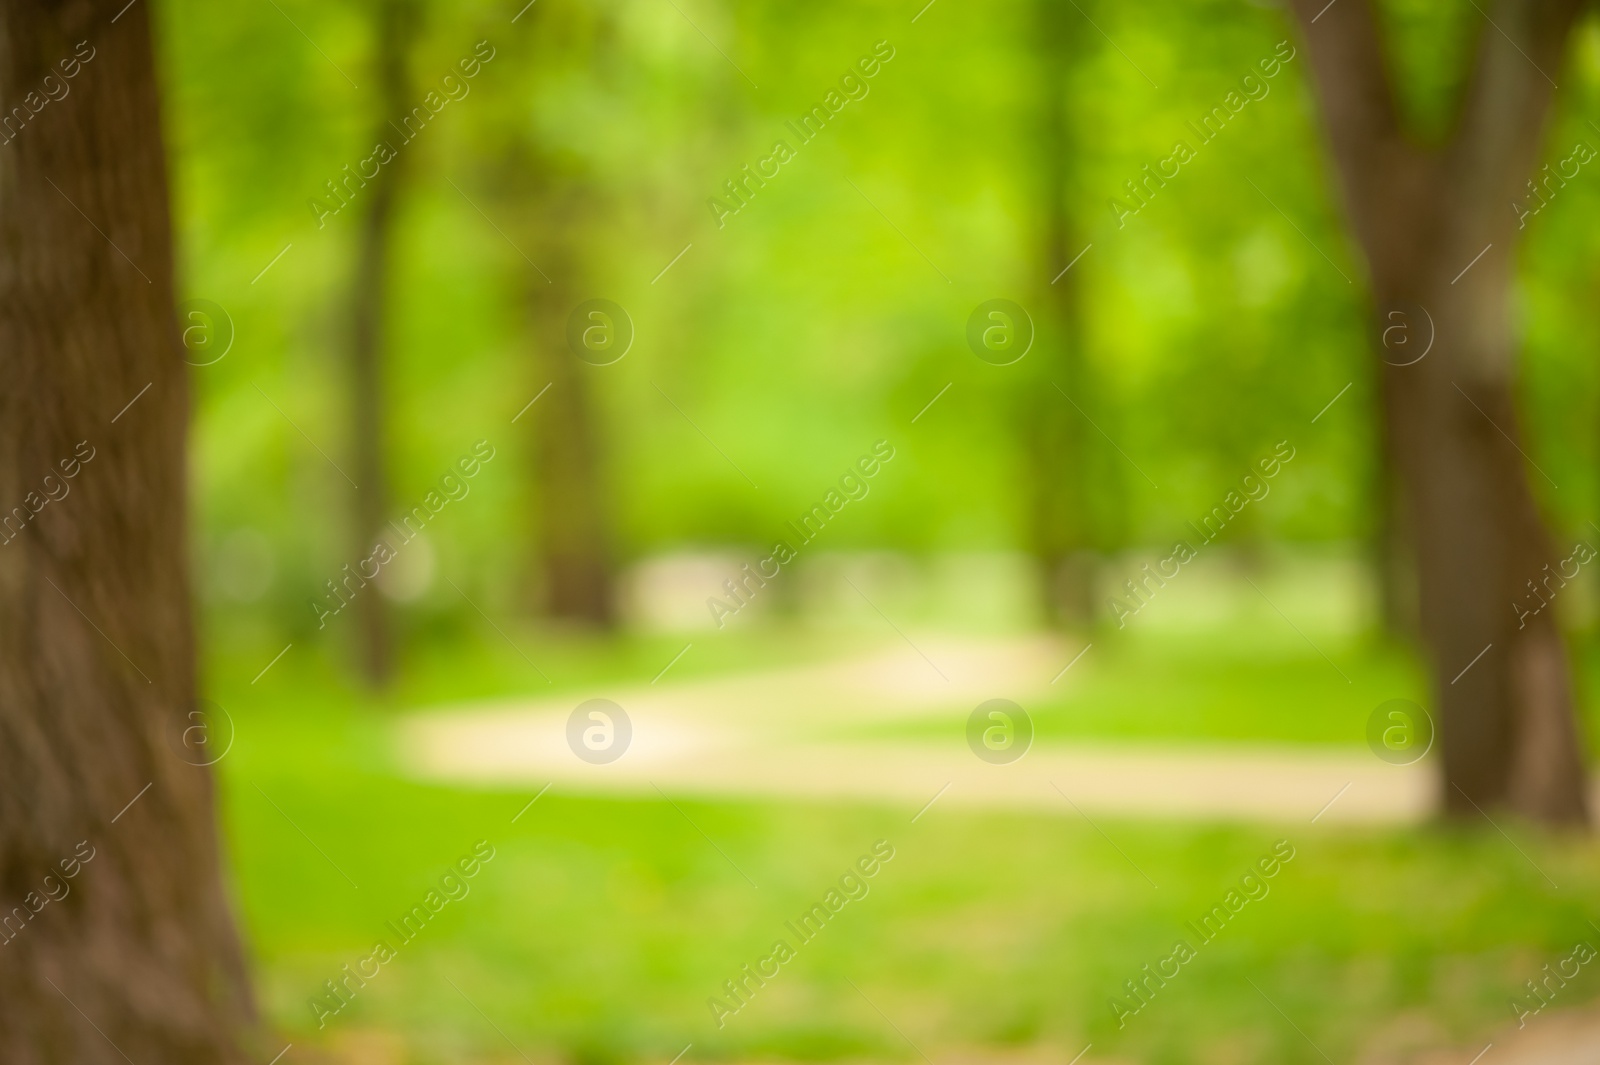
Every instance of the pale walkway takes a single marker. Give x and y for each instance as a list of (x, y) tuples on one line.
[(779, 734)]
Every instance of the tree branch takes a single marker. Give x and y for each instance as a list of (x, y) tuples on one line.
[(1351, 79), (1500, 128)]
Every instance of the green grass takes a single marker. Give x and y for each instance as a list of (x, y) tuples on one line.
[(601, 927)]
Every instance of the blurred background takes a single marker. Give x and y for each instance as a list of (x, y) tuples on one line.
[(362, 342)]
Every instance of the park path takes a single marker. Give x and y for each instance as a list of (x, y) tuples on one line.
[(1564, 1037), (796, 733)]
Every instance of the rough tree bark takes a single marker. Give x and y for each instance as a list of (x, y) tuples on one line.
[(1421, 215), (1055, 443), (369, 304), (137, 955)]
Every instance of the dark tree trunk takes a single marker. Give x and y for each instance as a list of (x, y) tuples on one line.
[(1424, 218), (369, 305), (138, 958), (1055, 445), (573, 526), (555, 198)]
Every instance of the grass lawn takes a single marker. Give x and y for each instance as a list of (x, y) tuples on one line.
[(601, 927), (1230, 687)]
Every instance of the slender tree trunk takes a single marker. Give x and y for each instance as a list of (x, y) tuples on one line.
[(573, 537), (1055, 447), (116, 940), (573, 523), (1437, 230), (369, 305)]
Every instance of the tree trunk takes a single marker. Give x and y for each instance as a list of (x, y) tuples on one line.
[(554, 196), (369, 305), (1437, 232), (1055, 445), (573, 524), (1509, 733), (116, 940)]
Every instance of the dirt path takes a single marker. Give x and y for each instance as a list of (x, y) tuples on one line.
[(778, 735), (1569, 1037)]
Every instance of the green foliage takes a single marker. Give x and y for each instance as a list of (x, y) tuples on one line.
[(810, 324)]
